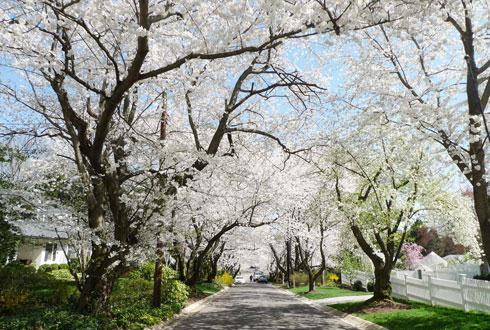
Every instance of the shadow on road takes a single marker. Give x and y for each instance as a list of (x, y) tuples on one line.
[(258, 306)]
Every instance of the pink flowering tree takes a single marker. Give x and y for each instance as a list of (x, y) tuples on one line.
[(413, 253)]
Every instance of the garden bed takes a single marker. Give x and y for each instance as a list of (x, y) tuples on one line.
[(48, 300)]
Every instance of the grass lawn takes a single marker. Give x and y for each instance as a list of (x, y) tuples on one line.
[(205, 289), (422, 316), (326, 292)]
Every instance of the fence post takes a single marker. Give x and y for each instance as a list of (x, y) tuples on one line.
[(405, 286), (429, 284), (461, 278)]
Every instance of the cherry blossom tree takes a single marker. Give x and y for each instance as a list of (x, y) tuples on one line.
[(88, 71), (382, 190), (433, 67)]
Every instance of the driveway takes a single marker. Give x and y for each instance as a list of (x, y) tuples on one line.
[(258, 306)]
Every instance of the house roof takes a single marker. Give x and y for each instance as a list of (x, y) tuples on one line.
[(40, 229), (46, 219), (431, 260)]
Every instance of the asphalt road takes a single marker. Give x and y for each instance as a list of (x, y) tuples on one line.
[(258, 306)]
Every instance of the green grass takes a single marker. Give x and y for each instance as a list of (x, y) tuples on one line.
[(326, 292), (422, 317), (205, 289)]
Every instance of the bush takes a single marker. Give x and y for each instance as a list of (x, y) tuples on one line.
[(62, 274), (12, 298), (485, 277), (357, 286), (333, 278), (47, 268), (225, 279), (300, 278), (370, 286), (145, 271), (23, 287), (40, 300), (174, 294)]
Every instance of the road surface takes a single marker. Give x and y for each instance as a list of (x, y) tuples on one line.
[(257, 306)]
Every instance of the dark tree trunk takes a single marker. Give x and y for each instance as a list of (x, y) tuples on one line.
[(214, 270), (195, 271), (288, 264), (311, 282), (97, 288), (157, 276), (235, 273), (382, 284)]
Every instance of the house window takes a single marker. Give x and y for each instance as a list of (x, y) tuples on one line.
[(50, 252)]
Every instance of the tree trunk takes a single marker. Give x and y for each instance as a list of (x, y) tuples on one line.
[(288, 263), (311, 282), (195, 271), (100, 279), (214, 269), (157, 276), (382, 284)]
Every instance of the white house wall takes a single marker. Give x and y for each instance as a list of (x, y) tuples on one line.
[(35, 251)]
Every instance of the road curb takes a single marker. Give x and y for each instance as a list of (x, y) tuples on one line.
[(347, 318), (188, 310)]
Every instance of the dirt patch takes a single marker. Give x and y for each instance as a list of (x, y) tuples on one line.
[(378, 307)]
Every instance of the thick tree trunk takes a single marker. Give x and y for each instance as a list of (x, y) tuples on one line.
[(382, 284), (195, 271), (100, 279), (311, 282), (214, 270), (482, 208), (157, 276)]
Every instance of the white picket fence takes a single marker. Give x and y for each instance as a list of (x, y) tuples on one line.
[(446, 273), (462, 293), (465, 293)]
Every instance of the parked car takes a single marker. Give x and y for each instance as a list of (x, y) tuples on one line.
[(257, 275), (262, 279), (239, 280)]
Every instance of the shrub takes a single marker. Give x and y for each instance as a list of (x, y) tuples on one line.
[(47, 268), (485, 277), (225, 279), (12, 299), (357, 286), (145, 271), (63, 266), (174, 294), (370, 286), (333, 277), (61, 274), (22, 287), (300, 278)]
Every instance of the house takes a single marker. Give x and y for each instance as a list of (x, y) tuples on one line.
[(430, 262), (41, 243)]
